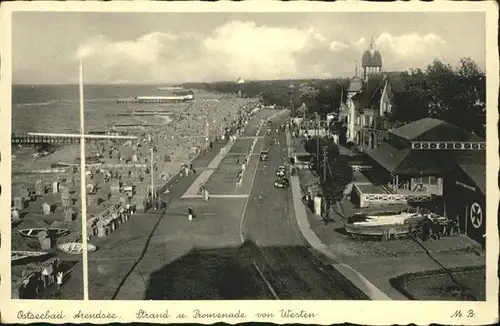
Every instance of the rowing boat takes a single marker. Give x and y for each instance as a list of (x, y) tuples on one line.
[(75, 247), (51, 232), (18, 255), (399, 224)]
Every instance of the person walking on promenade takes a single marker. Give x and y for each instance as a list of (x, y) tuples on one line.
[(237, 161), (206, 195), (190, 214), (260, 200)]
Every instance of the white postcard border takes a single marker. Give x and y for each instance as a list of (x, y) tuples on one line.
[(328, 312)]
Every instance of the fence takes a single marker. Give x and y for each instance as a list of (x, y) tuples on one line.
[(367, 200)]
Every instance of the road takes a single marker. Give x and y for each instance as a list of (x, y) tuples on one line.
[(243, 244), (286, 263)]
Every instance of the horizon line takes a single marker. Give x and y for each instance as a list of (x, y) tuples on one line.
[(181, 83)]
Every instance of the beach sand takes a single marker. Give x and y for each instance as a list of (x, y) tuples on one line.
[(176, 139)]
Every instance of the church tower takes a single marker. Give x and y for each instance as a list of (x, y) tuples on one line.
[(371, 61)]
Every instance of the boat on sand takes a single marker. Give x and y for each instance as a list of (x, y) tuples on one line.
[(75, 247), (51, 232), (377, 225), (18, 255)]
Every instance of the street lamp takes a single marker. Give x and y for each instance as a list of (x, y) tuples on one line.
[(317, 140), (152, 175), (291, 88)]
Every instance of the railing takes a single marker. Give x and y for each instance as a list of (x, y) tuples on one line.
[(359, 168), (443, 145), (366, 200)]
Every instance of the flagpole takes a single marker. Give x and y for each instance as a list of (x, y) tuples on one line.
[(83, 189)]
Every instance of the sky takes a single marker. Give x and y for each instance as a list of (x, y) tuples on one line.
[(179, 47)]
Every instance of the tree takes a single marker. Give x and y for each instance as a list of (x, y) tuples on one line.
[(324, 97), (338, 171), (412, 103), (456, 95), (469, 102), (441, 86)]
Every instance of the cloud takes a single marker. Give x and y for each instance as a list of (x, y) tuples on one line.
[(410, 46), (337, 46), (247, 50)]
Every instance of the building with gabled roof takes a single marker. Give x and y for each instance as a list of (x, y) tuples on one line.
[(368, 107), (416, 156)]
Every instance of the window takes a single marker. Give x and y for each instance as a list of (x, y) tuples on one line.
[(367, 121)]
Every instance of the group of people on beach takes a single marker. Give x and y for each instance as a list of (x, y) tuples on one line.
[(44, 278)]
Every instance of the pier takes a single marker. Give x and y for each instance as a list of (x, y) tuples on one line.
[(141, 113), (44, 138), (151, 101)]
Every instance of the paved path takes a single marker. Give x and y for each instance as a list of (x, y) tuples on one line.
[(193, 190)]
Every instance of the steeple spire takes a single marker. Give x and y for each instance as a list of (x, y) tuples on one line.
[(356, 69), (372, 43)]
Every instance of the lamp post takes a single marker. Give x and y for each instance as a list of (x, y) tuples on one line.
[(291, 88), (325, 157), (317, 141), (152, 175), (207, 134)]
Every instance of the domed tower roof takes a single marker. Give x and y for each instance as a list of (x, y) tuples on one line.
[(377, 59), (355, 85), (366, 61), (371, 57)]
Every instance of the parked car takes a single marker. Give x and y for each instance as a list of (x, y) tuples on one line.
[(281, 183), (269, 131), (264, 155), (281, 171)]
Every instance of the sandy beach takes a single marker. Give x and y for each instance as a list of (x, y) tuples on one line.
[(123, 176)]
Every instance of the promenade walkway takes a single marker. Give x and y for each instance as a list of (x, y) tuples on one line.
[(205, 175), (193, 190)]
